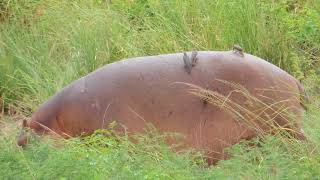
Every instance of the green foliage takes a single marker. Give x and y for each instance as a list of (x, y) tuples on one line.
[(104, 155), (274, 159), (298, 22), (98, 156), (44, 45)]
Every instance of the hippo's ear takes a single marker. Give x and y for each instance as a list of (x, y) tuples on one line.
[(24, 123)]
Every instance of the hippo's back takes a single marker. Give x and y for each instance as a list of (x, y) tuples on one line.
[(146, 89)]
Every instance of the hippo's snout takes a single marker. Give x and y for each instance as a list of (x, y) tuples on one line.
[(22, 140)]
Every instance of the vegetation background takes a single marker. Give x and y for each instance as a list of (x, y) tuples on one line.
[(46, 44)]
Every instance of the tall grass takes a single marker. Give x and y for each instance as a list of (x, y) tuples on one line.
[(46, 44)]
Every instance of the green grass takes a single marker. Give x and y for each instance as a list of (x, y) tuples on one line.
[(47, 44), (103, 157), (44, 45)]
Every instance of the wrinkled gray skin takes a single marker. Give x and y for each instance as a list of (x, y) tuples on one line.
[(144, 89)]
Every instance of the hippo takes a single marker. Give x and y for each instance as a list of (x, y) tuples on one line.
[(165, 90)]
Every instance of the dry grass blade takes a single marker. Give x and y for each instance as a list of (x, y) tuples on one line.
[(255, 113)]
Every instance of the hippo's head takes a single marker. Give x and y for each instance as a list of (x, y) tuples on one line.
[(44, 121), (28, 129)]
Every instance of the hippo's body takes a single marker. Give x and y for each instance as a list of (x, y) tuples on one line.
[(145, 89)]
